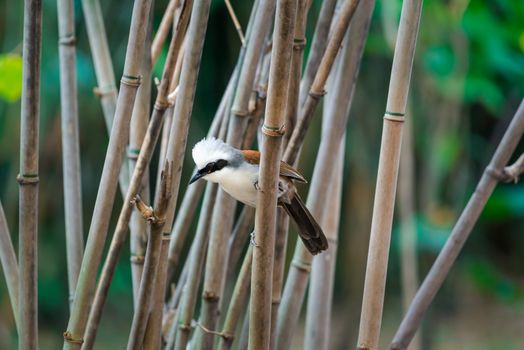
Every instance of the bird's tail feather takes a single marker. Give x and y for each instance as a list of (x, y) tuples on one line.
[(309, 230)]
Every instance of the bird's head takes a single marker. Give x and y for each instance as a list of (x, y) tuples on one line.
[(213, 157)]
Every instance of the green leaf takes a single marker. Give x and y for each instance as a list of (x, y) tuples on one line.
[(10, 77)]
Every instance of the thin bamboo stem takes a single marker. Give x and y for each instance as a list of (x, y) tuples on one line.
[(9, 264), (28, 176), (70, 143), (112, 165), (157, 220), (238, 303), (236, 23), (294, 290), (223, 213), (182, 329), (318, 325), (375, 281), (493, 173), (163, 29), (265, 219), (317, 87), (105, 76), (144, 157), (137, 133), (238, 239)]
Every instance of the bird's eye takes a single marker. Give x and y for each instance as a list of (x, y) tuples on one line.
[(220, 164)]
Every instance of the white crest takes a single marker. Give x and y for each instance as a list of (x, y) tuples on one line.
[(211, 150)]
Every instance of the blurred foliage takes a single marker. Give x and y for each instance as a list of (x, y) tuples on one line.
[(468, 79)]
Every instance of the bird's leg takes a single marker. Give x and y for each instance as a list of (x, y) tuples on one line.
[(256, 186), (252, 239)]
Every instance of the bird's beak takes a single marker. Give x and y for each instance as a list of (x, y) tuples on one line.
[(197, 176)]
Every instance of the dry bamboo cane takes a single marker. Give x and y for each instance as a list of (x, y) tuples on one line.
[(28, 177), (296, 282), (216, 262), (238, 302), (137, 133), (265, 219), (157, 218), (407, 221), (143, 160), (318, 47), (105, 76), (493, 173), (70, 143), (384, 202), (163, 29), (317, 87), (181, 330), (183, 108), (112, 165), (323, 269), (9, 264)]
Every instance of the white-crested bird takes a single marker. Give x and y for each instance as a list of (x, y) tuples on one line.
[(237, 171)]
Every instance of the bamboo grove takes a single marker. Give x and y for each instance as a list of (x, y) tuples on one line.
[(224, 293)]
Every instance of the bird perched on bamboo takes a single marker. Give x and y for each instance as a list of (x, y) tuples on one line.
[(237, 172)]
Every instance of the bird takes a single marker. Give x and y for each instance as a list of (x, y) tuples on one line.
[(237, 173)]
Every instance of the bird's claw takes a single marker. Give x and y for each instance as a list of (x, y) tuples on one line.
[(252, 240)]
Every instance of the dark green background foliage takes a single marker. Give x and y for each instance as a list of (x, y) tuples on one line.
[(468, 80)]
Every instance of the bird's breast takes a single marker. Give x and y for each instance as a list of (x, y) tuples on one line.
[(240, 184)]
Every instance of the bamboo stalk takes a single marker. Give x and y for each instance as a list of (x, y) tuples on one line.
[(320, 299), (236, 23), (156, 217), (182, 329), (112, 165), (238, 239), (9, 265), (163, 29), (317, 87), (375, 281), (294, 290), (407, 221), (143, 160), (105, 76), (137, 133), (238, 303), (216, 261), (70, 143), (265, 219), (493, 173), (28, 176)]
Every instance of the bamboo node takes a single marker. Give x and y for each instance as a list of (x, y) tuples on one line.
[(299, 44), (317, 95), (68, 337), (132, 153), (130, 80), (205, 329), (104, 90), (210, 296), (239, 113), (301, 265), (274, 131), (166, 236), (67, 40), (161, 104), (137, 259), (394, 116), (27, 179)]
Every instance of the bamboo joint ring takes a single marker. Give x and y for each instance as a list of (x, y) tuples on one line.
[(68, 337), (27, 179), (274, 131), (299, 43), (67, 40), (130, 80), (394, 116), (301, 266)]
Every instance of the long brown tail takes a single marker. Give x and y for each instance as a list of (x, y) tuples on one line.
[(309, 230)]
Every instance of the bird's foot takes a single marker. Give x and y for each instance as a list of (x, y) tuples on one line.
[(256, 186), (252, 239)]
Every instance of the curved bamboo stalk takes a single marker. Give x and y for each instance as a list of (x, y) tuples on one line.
[(105, 76), (296, 282), (163, 29), (28, 176), (265, 219), (375, 281), (493, 173), (144, 157), (70, 143), (107, 190), (9, 264)]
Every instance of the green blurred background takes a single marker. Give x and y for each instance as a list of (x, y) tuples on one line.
[(468, 80)]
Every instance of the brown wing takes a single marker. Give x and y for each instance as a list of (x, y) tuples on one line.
[(253, 157)]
